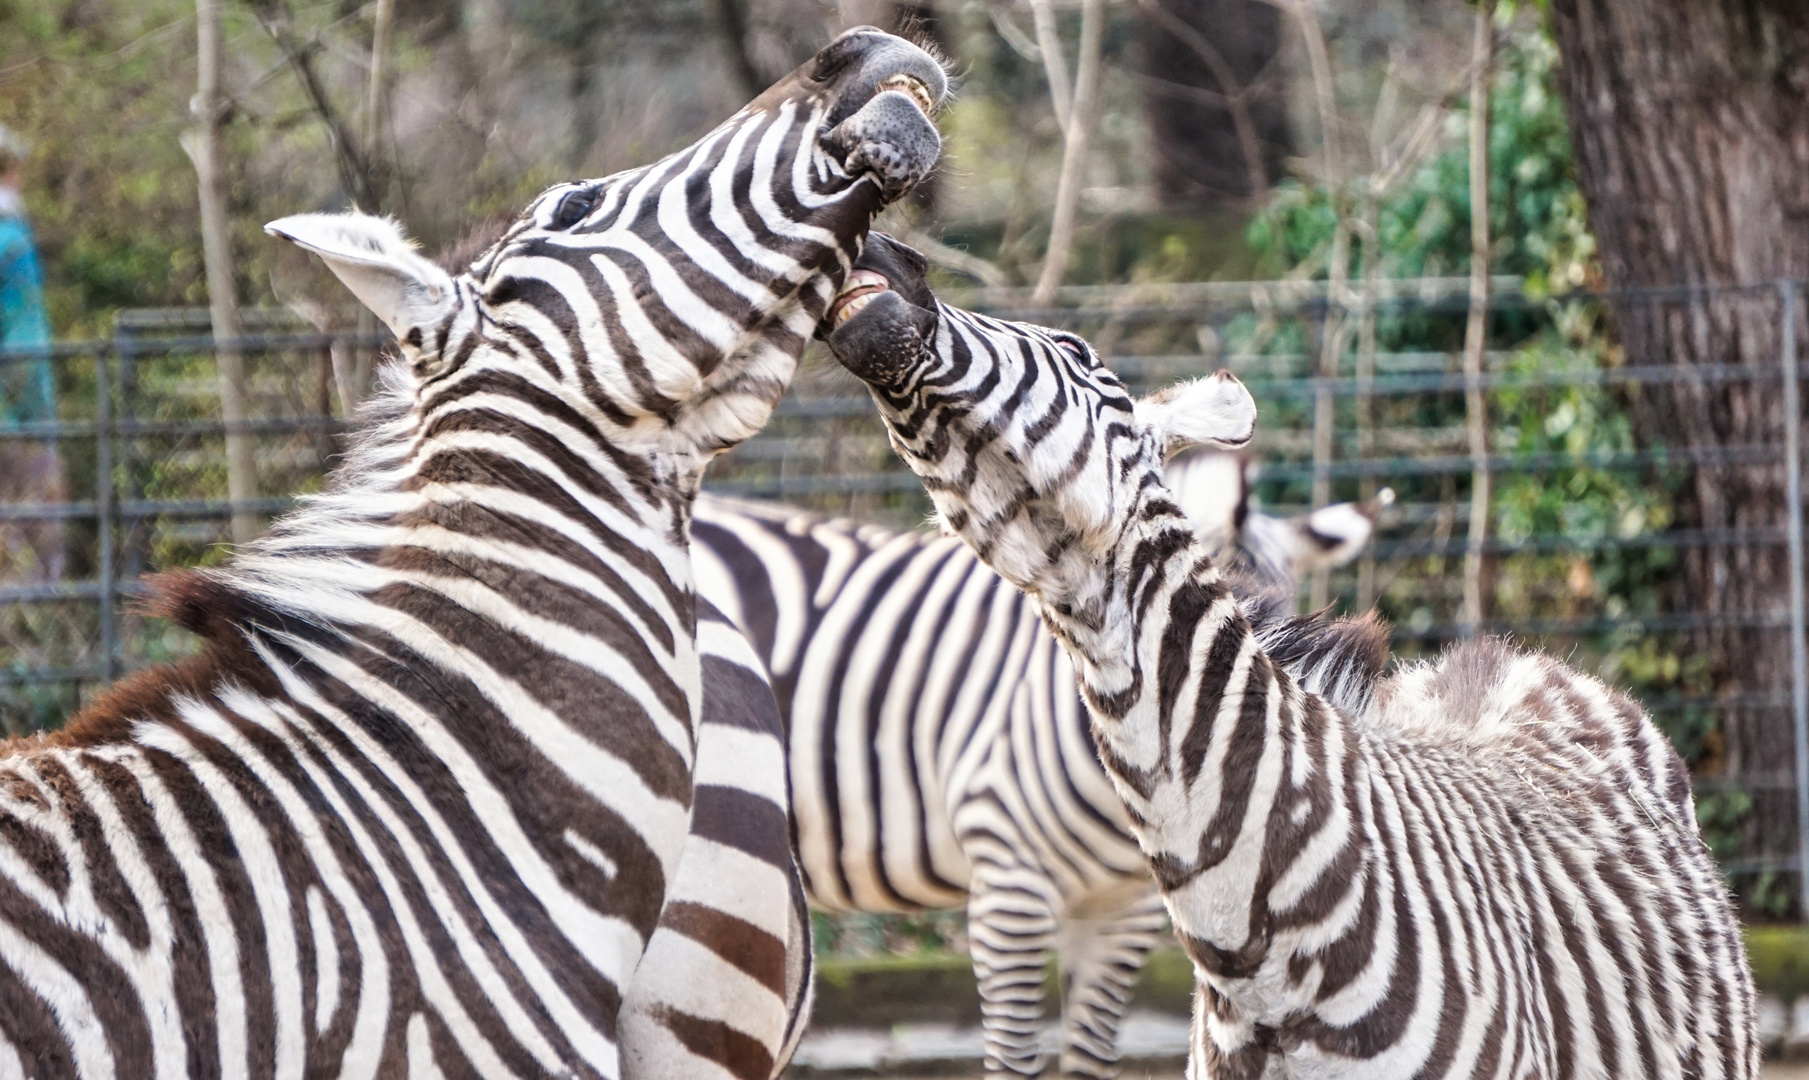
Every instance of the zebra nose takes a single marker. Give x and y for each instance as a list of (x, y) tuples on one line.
[(866, 63), (890, 139)]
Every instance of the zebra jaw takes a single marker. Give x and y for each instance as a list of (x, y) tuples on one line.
[(862, 287)]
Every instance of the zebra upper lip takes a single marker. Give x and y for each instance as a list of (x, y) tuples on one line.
[(913, 88), (862, 287)]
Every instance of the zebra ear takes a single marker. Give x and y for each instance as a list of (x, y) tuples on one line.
[(1215, 411), (370, 254)]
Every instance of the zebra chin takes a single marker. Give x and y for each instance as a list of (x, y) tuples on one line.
[(885, 316), (884, 340)]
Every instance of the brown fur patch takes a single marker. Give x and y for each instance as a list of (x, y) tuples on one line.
[(200, 604), (1468, 672)]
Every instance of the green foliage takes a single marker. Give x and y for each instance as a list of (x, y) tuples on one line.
[(862, 934), (1590, 522), (1536, 215)]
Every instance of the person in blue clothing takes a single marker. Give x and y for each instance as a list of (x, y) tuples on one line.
[(29, 385), (30, 468)]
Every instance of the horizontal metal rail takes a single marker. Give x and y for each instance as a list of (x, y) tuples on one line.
[(88, 429), (1581, 627), (138, 509)]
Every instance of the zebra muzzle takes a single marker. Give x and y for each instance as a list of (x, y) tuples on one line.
[(881, 337), (890, 138)]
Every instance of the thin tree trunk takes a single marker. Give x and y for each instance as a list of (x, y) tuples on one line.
[(1081, 117), (376, 97), (1055, 62), (1691, 125), (216, 249), (1333, 333), (1366, 372), (1476, 406)]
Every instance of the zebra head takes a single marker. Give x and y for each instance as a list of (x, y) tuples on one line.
[(669, 304), (1032, 450)]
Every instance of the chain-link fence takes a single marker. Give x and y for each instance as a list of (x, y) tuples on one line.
[(1587, 525)]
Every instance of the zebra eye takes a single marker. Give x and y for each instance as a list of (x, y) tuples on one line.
[(573, 208)]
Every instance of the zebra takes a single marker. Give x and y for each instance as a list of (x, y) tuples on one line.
[(725, 987), (419, 804), (936, 764), (1492, 870)]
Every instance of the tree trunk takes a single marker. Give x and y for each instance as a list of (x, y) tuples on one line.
[(1083, 114), (1476, 403), (216, 251), (1691, 124)]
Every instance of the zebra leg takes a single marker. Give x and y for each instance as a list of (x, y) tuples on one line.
[(722, 989), (1101, 954), (1011, 929), (1225, 1045)]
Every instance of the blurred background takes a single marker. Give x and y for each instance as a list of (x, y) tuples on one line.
[(1535, 266)]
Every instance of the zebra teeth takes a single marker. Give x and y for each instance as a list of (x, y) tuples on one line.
[(862, 287), (912, 88), (852, 307)]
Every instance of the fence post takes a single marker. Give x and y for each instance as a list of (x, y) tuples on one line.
[(103, 504), (1799, 662)]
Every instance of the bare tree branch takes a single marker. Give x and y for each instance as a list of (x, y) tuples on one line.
[(953, 258), (354, 168), (1082, 117), (1055, 63), (1234, 92), (376, 97)]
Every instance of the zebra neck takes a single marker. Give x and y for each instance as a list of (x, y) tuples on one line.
[(496, 476), (1203, 733)]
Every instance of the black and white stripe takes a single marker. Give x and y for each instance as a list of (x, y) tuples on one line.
[(421, 803), (1493, 870), (723, 990), (938, 744)]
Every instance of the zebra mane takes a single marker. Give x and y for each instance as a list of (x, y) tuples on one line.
[(1341, 660)]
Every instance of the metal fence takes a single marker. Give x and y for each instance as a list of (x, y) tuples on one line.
[(1356, 391)]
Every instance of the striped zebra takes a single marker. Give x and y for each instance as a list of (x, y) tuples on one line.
[(724, 988), (1493, 870), (421, 802), (938, 746)]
